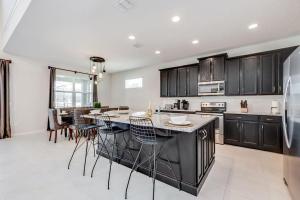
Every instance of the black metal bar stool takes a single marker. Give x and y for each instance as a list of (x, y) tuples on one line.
[(143, 132), (107, 128), (86, 130)]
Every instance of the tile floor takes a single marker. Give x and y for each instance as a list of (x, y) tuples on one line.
[(31, 168)]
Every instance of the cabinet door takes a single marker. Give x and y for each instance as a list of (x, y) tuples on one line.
[(267, 74), (205, 70), (182, 82), (250, 134), (164, 83), (200, 167), (172, 83), (232, 77), (218, 68), (248, 75), (232, 132), (192, 87), (211, 140), (271, 137), (205, 142)]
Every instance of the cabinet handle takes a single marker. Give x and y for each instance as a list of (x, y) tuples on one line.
[(237, 125), (279, 88), (262, 128), (273, 89), (269, 119), (205, 134)]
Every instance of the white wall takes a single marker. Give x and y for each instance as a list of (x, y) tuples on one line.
[(138, 99), (104, 90), (29, 94)]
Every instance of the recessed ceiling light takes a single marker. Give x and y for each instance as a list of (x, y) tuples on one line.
[(157, 52), (175, 19), (195, 41), (131, 37), (252, 26)]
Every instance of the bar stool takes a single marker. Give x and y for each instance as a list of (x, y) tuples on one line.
[(107, 128), (143, 132), (85, 130)]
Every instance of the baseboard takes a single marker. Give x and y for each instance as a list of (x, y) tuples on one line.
[(29, 133)]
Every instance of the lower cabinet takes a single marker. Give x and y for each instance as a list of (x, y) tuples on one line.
[(206, 149), (252, 131)]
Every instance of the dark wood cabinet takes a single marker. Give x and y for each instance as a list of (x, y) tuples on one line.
[(205, 70), (212, 68), (248, 75), (250, 134), (253, 131), (206, 149), (267, 74), (164, 83), (232, 130), (271, 134), (172, 83), (182, 82), (218, 68), (256, 74), (192, 80), (232, 77)]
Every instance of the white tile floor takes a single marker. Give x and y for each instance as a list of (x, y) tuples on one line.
[(31, 168)]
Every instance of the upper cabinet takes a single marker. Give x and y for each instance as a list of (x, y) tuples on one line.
[(259, 74), (248, 75), (256, 74), (232, 77), (212, 68), (179, 82)]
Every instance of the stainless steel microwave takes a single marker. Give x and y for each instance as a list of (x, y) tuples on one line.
[(212, 88)]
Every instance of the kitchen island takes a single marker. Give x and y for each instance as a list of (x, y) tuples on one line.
[(191, 151)]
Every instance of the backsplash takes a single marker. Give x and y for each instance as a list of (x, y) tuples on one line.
[(261, 104)]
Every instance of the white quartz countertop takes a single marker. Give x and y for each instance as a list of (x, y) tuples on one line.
[(161, 121), (252, 113)]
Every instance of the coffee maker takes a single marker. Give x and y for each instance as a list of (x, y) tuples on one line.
[(185, 105)]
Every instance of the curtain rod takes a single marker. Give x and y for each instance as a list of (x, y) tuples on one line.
[(68, 70), (9, 61)]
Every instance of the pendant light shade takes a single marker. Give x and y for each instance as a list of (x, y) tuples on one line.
[(97, 66)]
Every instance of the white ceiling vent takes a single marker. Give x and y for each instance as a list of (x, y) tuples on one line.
[(125, 5)]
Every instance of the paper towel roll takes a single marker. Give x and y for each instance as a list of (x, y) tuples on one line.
[(275, 104)]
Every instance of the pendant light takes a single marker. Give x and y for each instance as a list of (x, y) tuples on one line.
[(97, 66)]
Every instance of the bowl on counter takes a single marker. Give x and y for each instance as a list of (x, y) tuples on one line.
[(178, 119)]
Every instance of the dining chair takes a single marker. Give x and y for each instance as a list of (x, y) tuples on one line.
[(54, 124)]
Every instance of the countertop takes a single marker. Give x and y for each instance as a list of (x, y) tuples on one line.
[(176, 110), (161, 121), (252, 113)]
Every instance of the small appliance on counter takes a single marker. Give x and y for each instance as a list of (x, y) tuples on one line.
[(275, 108), (244, 106), (169, 106), (185, 105), (177, 105)]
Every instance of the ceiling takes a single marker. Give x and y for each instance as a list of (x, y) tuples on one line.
[(69, 32)]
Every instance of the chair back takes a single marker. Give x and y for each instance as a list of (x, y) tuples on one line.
[(104, 123), (78, 120), (123, 108), (142, 129), (53, 122)]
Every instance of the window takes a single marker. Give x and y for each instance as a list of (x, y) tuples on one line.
[(134, 83), (73, 90)]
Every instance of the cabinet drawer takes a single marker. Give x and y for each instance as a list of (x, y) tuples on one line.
[(242, 117), (276, 119), (233, 116)]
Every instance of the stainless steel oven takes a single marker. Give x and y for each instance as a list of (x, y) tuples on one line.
[(215, 109)]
